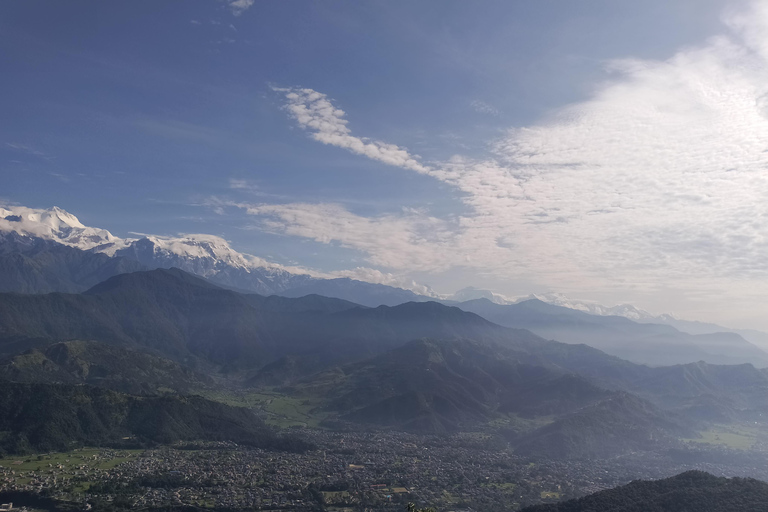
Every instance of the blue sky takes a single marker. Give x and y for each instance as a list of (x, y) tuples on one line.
[(609, 150)]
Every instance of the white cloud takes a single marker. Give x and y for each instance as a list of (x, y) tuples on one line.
[(238, 7), (405, 241), (659, 180)]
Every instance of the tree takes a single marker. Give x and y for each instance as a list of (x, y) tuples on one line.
[(412, 508)]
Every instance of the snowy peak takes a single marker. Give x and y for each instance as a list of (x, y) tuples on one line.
[(54, 224), (197, 246), (472, 293), (625, 310), (205, 255), (56, 218)]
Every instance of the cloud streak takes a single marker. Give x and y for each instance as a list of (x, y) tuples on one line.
[(410, 237), (314, 112)]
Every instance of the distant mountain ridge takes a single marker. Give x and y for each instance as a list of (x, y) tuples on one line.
[(625, 310), (646, 343), (641, 316)]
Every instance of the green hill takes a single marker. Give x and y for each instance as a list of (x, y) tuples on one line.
[(445, 385), (692, 491), (103, 365), (617, 424), (46, 417)]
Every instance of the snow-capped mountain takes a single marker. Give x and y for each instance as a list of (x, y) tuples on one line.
[(205, 255), (558, 299), (212, 257), (57, 225), (208, 256)]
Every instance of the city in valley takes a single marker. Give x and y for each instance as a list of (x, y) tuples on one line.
[(346, 471)]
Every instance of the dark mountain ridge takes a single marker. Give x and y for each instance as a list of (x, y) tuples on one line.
[(47, 417), (690, 491), (103, 365), (189, 319), (617, 424), (444, 386)]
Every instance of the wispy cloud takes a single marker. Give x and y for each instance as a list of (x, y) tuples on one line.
[(314, 112), (246, 185), (28, 150), (406, 241), (482, 107)]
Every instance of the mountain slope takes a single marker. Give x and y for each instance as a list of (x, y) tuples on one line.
[(190, 320), (693, 490), (34, 265), (169, 311), (44, 417), (615, 425), (444, 385), (102, 365)]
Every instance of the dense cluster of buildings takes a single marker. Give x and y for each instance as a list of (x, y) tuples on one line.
[(356, 471)]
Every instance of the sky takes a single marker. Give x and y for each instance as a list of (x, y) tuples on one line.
[(612, 151)]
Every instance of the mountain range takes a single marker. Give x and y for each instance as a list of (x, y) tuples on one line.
[(204, 255), (420, 366), (82, 310), (43, 251)]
